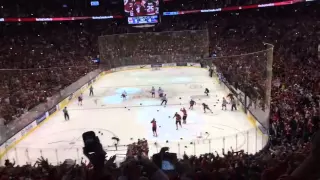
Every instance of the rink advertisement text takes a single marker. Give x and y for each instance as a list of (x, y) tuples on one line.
[(27, 129), (41, 118)]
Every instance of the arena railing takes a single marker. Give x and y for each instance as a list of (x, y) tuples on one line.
[(250, 142)]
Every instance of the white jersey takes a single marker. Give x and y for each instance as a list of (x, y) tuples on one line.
[(160, 91), (224, 102), (153, 90)]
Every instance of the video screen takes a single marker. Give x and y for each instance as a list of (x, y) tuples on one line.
[(134, 8)]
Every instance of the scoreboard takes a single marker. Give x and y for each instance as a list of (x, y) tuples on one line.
[(143, 20), (142, 11)]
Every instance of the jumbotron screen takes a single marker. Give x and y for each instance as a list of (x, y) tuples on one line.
[(135, 8)]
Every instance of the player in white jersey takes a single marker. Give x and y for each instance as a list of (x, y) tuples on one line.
[(124, 95), (160, 92), (153, 91), (224, 103)]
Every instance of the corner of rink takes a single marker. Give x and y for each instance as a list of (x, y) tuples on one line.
[(109, 116)]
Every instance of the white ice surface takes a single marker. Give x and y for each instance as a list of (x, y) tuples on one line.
[(129, 119)]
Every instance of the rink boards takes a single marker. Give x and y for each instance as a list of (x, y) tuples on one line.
[(10, 143)]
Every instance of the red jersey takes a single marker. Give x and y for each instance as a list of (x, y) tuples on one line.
[(128, 6), (184, 111), (150, 8), (138, 9), (178, 117), (154, 123)]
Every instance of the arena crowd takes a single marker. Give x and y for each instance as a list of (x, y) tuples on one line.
[(38, 60)]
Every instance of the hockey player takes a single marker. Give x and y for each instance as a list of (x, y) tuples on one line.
[(206, 91), (164, 99), (153, 91), (205, 106), (178, 120), (124, 95), (224, 103), (66, 114), (184, 117), (154, 127), (91, 91), (80, 98), (233, 104), (160, 92), (192, 103)]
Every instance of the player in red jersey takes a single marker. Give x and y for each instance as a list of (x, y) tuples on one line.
[(192, 103), (178, 120), (157, 7), (150, 6), (154, 127), (184, 117), (139, 10), (128, 6)]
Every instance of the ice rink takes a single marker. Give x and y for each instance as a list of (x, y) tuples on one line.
[(109, 116)]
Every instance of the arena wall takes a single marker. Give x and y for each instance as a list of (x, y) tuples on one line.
[(13, 141)]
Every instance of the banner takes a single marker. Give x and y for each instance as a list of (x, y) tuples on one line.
[(169, 64), (41, 118), (194, 64), (83, 88), (70, 97), (63, 103), (52, 110), (182, 64), (12, 140), (118, 69), (90, 82), (156, 65), (131, 67), (28, 128)]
